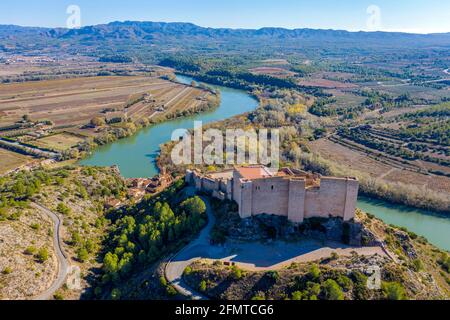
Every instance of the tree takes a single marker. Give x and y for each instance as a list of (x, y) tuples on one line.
[(98, 122), (332, 290), (194, 206), (26, 118)]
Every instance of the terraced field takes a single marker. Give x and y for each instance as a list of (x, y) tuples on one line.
[(72, 102), (357, 157)]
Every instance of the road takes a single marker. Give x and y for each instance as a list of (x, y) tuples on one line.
[(192, 252), (252, 256), (63, 263)]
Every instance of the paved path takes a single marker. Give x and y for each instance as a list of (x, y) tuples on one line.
[(63, 263), (251, 256), (194, 251)]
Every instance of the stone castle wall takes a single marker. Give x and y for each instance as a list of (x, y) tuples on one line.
[(281, 196)]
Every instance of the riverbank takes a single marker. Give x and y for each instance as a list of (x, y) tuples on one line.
[(137, 157)]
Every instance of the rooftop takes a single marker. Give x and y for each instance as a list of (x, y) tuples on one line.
[(254, 172)]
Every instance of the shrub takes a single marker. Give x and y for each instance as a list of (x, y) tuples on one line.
[(236, 273), (345, 282), (332, 291), (42, 255), (274, 275), (314, 272), (58, 296), (35, 226), (171, 291), (259, 296), (417, 265), (187, 271), (82, 255), (30, 250), (360, 290), (202, 286), (163, 281), (444, 261), (115, 294), (393, 291), (7, 270), (297, 295), (62, 209)]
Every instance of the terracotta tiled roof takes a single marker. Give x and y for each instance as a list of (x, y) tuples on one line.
[(256, 172)]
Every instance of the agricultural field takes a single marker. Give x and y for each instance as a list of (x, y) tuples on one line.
[(58, 142), (10, 160), (72, 102), (380, 167)]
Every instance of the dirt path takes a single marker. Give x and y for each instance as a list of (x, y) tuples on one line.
[(63, 263)]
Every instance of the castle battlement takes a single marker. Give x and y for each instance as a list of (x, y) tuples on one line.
[(294, 194)]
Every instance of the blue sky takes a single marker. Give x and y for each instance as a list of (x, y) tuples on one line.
[(423, 16)]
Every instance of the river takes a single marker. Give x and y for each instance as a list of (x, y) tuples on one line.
[(136, 157)]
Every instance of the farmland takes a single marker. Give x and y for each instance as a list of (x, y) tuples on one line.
[(72, 102), (69, 115), (58, 142), (10, 160)]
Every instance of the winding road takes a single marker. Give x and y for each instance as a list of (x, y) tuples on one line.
[(252, 256), (63, 263), (189, 254)]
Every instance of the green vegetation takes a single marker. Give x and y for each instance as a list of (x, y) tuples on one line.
[(143, 233), (7, 270), (393, 291), (332, 291), (42, 255)]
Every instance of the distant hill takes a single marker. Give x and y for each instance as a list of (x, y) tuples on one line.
[(187, 36)]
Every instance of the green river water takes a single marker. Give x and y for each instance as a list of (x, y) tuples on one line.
[(136, 157)]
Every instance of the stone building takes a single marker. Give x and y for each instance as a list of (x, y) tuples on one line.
[(294, 194)]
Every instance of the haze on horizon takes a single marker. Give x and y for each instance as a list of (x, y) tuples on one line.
[(412, 16)]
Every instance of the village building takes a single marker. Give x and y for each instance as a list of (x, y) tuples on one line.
[(291, 193)]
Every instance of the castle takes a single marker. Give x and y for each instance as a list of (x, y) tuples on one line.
[(291, 193)]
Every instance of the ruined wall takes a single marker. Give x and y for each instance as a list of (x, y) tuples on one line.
[(210, 185)]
